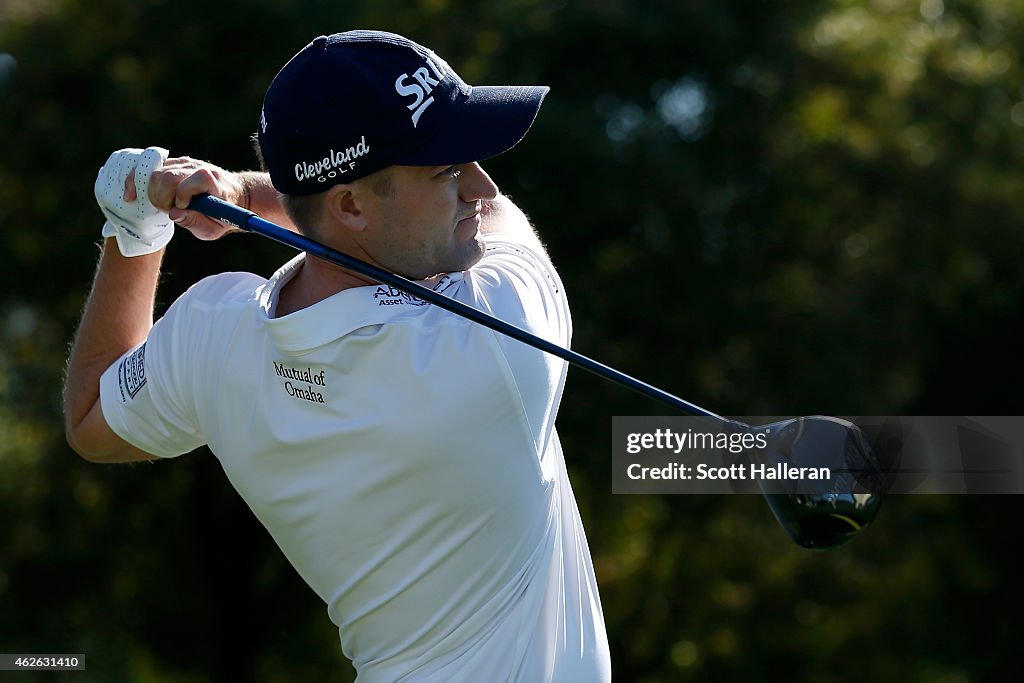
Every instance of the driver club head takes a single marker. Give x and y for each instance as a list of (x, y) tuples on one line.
[(829, 512)]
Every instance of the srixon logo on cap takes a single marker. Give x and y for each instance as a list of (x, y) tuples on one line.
[(420, 85)]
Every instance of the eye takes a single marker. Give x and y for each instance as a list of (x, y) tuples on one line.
[(451, 172)]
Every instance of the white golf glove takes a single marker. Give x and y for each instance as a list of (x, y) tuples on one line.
[(139, 227)]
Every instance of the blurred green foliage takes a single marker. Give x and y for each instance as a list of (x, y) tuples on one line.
[(793, 207)]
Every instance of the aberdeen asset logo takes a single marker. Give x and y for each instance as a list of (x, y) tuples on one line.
[(390, 296), (421, 86), (386, 295)]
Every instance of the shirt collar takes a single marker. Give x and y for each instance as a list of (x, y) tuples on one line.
[(340, 314)]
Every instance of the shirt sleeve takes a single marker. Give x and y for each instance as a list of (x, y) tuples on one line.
[(516, 282), (145, 394)]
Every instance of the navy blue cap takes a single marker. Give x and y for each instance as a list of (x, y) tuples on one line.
[(350, 104)]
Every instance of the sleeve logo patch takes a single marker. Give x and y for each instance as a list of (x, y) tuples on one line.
[(132, 374)]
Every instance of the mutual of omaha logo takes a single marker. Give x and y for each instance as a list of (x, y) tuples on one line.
[(302, 383), (131, 374)]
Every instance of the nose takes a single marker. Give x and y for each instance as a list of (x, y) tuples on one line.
[(475, 184)]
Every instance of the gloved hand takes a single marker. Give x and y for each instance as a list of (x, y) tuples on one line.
[(138, 226)]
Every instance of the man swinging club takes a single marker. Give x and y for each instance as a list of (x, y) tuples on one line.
[(403, 458)]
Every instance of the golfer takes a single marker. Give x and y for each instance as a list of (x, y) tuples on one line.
[(403, 458)]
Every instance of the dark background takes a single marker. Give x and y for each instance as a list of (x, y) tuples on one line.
[(766, 207)]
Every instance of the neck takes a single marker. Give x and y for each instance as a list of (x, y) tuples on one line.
[(315, 281)]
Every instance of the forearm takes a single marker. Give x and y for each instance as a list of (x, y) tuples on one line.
[(263, 199), (118, 316)]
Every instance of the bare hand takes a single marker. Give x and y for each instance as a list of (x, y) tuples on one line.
[(173, 185)]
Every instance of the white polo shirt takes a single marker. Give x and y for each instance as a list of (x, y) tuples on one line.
[(403, 458)]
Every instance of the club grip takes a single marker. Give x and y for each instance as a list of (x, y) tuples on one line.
[(214, 207)]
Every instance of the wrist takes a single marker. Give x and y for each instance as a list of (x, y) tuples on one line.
[(254, 186), (131, 244), (110, 249), (263, 198)]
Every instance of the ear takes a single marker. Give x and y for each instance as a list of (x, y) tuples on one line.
[(344, 205)]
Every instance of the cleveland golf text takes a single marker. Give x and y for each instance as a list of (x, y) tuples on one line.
[(333, 164)]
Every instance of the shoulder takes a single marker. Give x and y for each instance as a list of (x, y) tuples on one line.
[(224, 287), (511, 245), (511, 262), (514, 250), (516, 282), (214, 301), (219, 292)]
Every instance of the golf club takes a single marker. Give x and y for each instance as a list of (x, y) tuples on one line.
[(816, 519)]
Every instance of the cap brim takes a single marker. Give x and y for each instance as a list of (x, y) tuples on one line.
[(490, 121)]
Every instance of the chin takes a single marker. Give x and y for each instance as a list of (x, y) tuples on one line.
[(461, 257), (476, 254)]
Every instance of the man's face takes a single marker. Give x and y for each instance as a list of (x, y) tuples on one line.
[(430, 223)]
